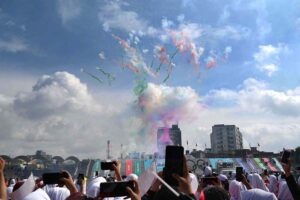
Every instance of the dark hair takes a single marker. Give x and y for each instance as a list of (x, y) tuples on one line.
[(225, 185), (164, 193), (283, 176), (18, 185), (215, 193)]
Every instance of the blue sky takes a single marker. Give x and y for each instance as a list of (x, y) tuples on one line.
[(257, 77)]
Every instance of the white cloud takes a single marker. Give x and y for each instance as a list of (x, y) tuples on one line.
[(224, 15), (60, 116), (256, 10), (13, 45), (61, 92), (15, 80), (4, 101), (263, 26), (256, 97), (267, 59), (60, 112), (229, 32), (113, 16), (200, 32), (264, 115), (180, 18), (272, 132), (166, 24), (68, 10), (191, 30)]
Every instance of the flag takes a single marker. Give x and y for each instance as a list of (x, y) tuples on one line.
[(147, 164), (25, 189), (137, 166), (160, 164), (146, 178), (128, 167)]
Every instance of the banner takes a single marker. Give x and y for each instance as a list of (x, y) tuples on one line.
[(128, 167), (137, 167), (160, 164), (147, 164)]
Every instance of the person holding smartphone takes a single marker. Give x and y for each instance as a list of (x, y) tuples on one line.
[(134, 192), (290, 180)]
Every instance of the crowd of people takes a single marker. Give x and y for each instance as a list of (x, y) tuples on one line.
[(210, 187)]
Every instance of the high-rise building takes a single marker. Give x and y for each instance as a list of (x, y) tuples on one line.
[(225, 138), (168, 136)]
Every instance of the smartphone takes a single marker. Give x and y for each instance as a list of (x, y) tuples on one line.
[(209, 180), (80, 178), (53, 178), (173, 164), (285, 156), (108, 165), (239, 173), (115, 189)]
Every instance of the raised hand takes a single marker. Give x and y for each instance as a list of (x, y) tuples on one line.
[(135, 193)]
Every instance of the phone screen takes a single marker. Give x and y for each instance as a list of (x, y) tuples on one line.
[(285, 156), (239, 173), (115, 189), (107, 165), (53, 178), (80, 178), (209, 181), (173, 164)]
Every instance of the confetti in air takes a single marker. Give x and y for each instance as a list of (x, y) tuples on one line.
[(109, 76), (210, 62), (163, 105), (186, 45), (158, 104), (102, 55), (227, 51), (92, 75), (133, 58)]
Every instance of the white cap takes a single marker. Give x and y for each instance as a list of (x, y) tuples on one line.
[(194, 182), (207, 171), (222, 177)]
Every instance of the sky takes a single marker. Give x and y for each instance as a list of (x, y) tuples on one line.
[(75, 74)]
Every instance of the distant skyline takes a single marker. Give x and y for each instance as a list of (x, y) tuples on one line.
[(237, 62)]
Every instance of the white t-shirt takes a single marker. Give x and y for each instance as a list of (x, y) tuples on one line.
[(257, 194), (57, 193)]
